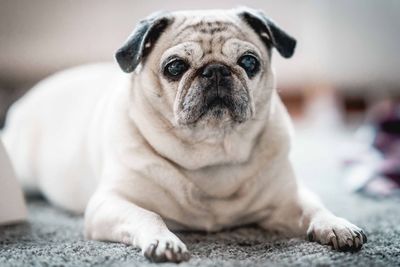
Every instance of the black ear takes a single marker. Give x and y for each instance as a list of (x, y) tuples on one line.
[(269, 32), (141, 41)]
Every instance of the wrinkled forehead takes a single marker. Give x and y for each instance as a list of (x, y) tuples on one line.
[(198, 34), (194, 26)]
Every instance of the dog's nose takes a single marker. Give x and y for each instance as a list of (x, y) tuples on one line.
[(217, 82), (215, 71)]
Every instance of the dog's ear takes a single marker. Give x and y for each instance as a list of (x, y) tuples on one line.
[(141, 41), (268, 31)]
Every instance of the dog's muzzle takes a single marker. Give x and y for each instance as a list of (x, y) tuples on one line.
[(216, 80)]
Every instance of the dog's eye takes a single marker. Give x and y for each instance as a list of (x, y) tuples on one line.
[(250, 64), (175, 68)]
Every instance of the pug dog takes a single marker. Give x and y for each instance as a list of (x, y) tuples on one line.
[(194, 137)]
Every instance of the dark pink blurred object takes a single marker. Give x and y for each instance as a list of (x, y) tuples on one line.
[(380, 162)]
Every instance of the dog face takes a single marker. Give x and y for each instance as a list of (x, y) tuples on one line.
[(213, 70), (211, 67)]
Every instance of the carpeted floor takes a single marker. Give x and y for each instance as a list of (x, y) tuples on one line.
[(54, 238)]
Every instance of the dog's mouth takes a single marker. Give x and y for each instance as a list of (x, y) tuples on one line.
[(214, 108), (219, 108), (218, 102)]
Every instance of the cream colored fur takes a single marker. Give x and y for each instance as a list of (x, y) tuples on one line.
[(93, 138)]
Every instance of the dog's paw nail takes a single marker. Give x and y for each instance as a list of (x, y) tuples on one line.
[(150, 251), (357, 242), (334, 243), (171, 256), (310, 236), (364, 237)]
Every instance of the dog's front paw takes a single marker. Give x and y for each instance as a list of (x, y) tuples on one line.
[(337, 232), (166, 247)]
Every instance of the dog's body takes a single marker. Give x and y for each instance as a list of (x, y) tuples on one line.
[(160, 149)]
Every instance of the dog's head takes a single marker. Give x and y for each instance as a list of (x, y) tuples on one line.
[(212, 68)]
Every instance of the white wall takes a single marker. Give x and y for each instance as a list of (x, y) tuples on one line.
[(339, 42)]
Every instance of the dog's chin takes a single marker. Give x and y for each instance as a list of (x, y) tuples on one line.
[(216, 115)]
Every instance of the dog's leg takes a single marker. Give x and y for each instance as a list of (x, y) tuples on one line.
[(322, 226), (302, 213), (111, 217)]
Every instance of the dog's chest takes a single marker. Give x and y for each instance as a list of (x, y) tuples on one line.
[(221, 205)]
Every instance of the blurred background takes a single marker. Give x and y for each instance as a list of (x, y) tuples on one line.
[(347, 59)]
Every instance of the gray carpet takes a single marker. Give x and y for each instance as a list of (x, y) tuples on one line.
[(54, 238)]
